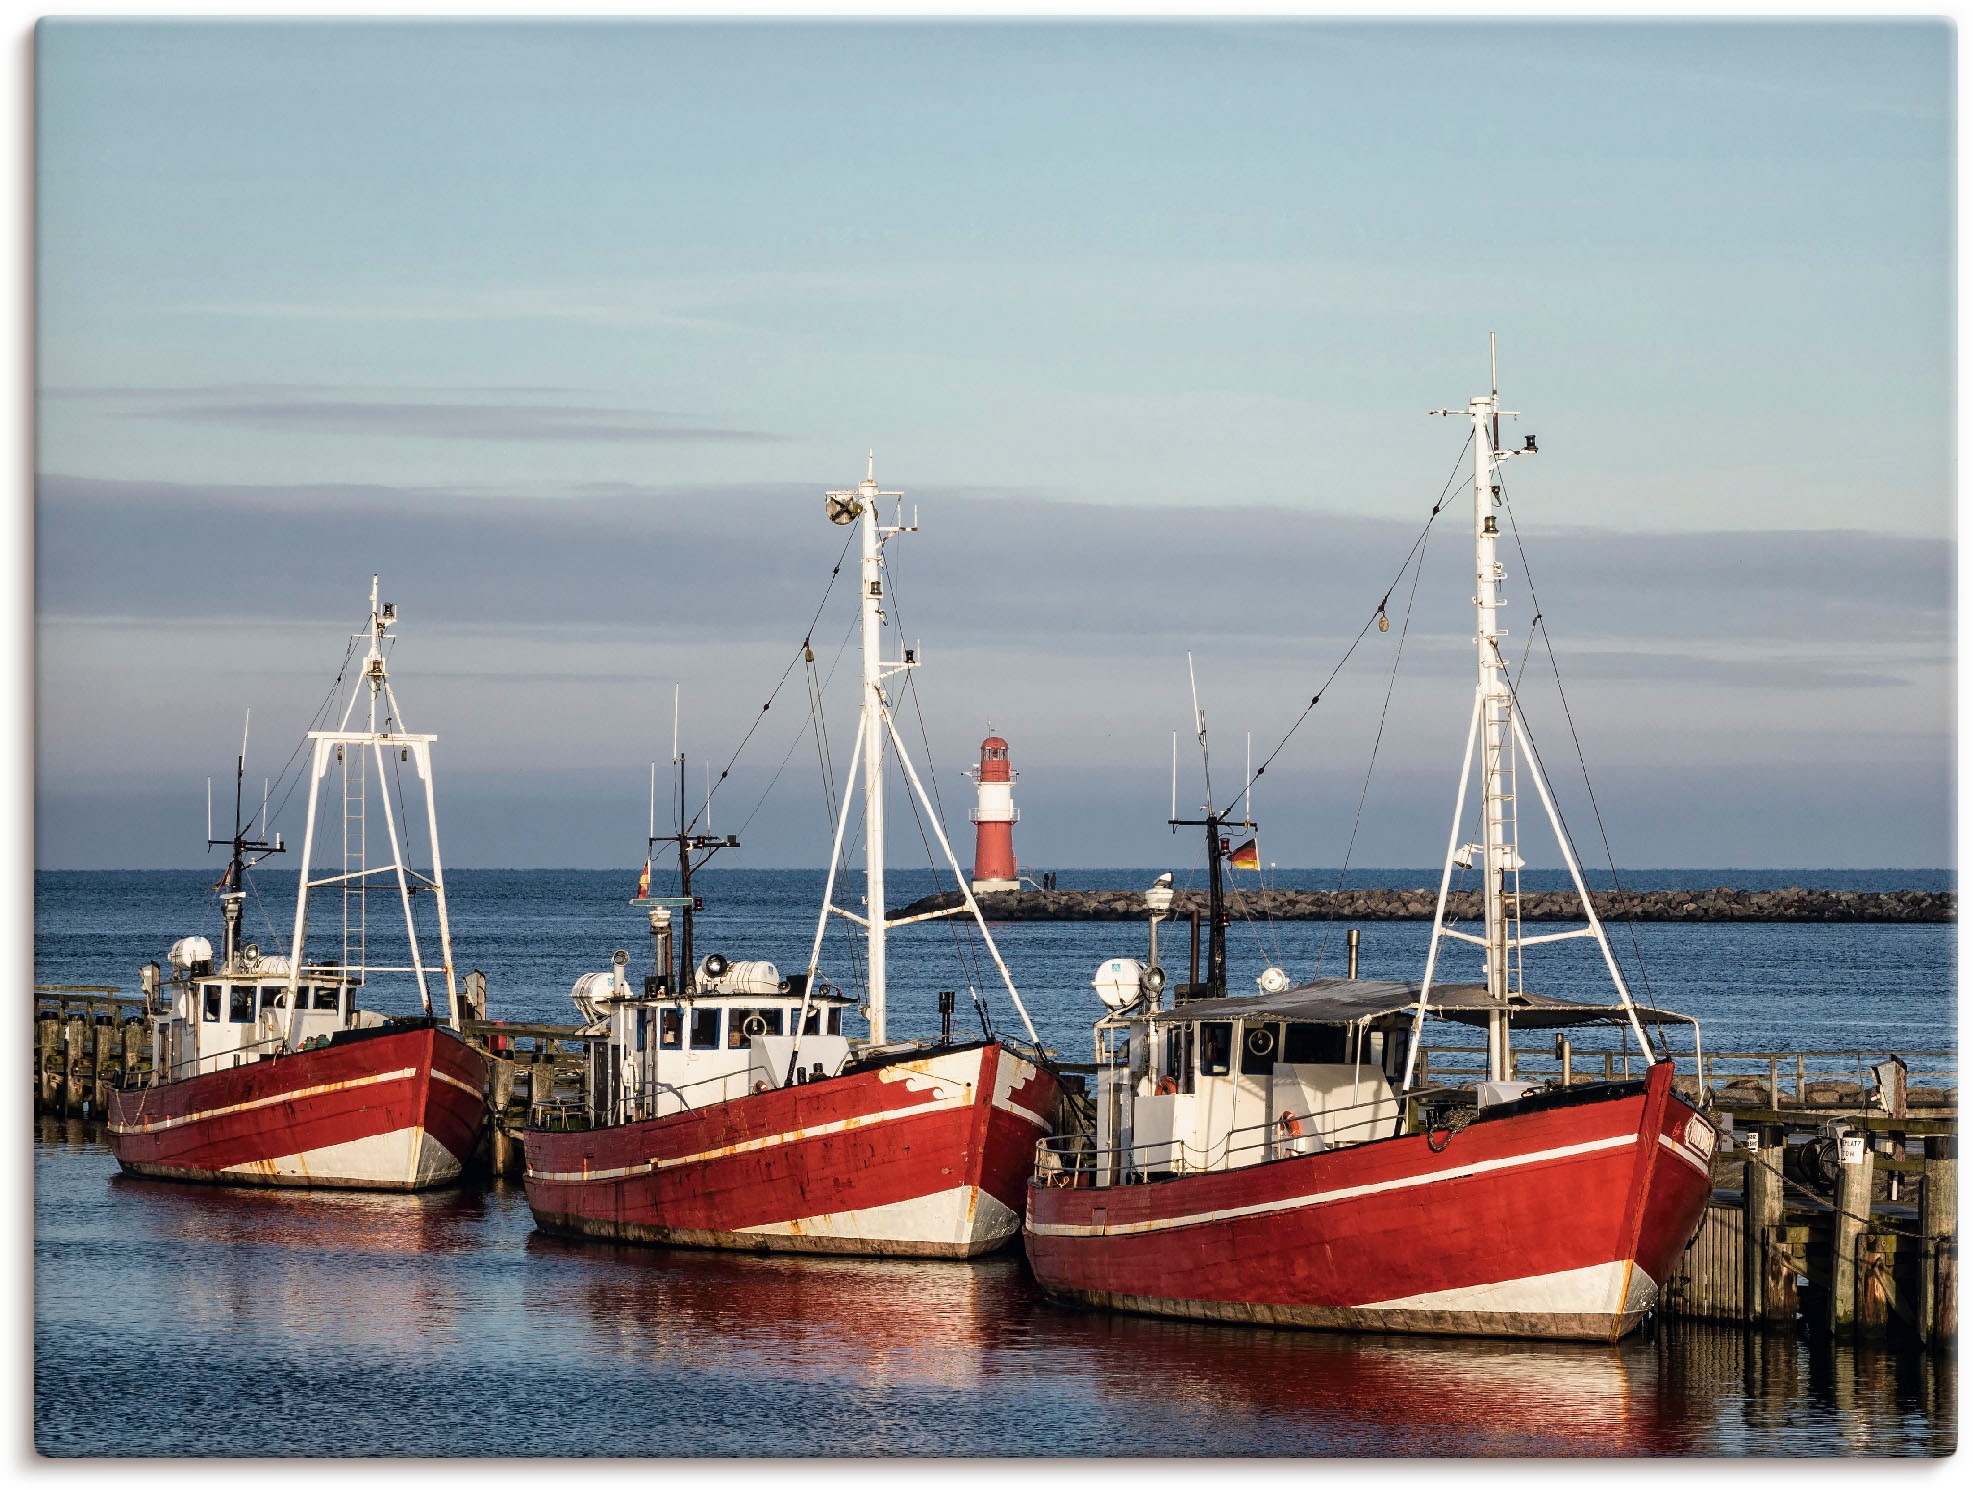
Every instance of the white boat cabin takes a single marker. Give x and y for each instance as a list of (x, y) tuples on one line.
[(735, 1034), (1221, 1083), (209, 1020)]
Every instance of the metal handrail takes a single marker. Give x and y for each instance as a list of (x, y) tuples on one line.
[(1268, 1139)]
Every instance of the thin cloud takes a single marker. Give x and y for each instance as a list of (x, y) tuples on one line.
[(522, 422)]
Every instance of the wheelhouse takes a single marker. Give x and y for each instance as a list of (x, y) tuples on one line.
[(214, 1020), (747, 1032), (1220, 1083)]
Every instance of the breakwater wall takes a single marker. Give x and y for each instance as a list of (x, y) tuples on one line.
[(1417, 905)]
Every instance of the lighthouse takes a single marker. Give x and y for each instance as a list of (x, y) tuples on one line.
[(994, 815)]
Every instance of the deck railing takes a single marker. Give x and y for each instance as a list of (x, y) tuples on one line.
[(1807, 1079)]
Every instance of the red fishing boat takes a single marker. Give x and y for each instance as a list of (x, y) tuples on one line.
[(1282, 1159), (264, 1069), (726, 1106)]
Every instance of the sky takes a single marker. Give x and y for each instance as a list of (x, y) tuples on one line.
[(566, 327)]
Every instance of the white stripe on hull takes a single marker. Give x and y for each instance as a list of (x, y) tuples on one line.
[(408, 1159), (1330, 1197), (964, 1217), (1597, 1303), (299, 1094), (1606, 1288)]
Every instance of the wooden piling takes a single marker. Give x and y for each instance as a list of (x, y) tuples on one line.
[(1938, 1201), (103, 1063), (1771, 1302), (74, 1035), (503, 1148), (1846, 1242), (47, 1062), (134, 1050)]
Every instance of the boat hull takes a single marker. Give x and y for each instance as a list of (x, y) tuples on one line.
[(926, 1157), (391, 1109), (1557, 1222)]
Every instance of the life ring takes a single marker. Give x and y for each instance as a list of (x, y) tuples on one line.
[(1167, 1087), (759, 1087), (1290, 1126), (1260, 1041), (754, 1025)]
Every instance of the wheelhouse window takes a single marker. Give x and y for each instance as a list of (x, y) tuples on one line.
[(747, 1023), (240, 1006), (645, 1019), (1178, 1058), (211, 991), (813, 1024), (1315, 1044), (327, 998), (1215, 1047), (1260, 1045), (836, 1020), (671, 1028), (273, 996), (705, 1029)]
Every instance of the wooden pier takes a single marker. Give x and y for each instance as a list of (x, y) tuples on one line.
[(1873, 1256)]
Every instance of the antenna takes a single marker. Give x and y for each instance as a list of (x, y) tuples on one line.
[(651, 834), (1493, 382), (675, 688), (263, 804), (1248, 795), (1199, 717), (209, 809), (1174, 775)]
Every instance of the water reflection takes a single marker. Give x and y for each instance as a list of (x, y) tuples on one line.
[(869, 1321), (446, 1313)]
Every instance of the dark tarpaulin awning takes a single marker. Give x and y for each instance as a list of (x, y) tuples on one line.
[(1353, 1000)]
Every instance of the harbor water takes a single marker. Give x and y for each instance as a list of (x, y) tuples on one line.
[(186, 1320)]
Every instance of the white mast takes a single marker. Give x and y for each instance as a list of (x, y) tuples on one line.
[(874, 725), (1498, 732), (350, 746)]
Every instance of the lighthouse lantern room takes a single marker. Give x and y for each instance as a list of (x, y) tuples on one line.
[(994, 816)]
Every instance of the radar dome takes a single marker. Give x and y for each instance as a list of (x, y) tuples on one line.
[(189, 951), (1119, 982)]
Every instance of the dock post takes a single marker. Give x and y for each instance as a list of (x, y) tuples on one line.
[(1770, 1285), (500, 1156), (1846, 1240), (1938, 1287), (74, 1033), (134, 1043), (102, 1062), (47, 1060)]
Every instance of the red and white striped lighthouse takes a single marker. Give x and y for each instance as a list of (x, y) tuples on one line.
[(994, 814)]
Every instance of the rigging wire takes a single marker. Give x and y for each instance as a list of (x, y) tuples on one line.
[(1582, 764), (1383, 715), (961, 948), (793, 662), (1397, 579)]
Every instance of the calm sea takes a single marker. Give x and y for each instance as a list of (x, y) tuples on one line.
[(179, 1320)]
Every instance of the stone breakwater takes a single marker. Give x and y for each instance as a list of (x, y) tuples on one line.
[(1417, 905)]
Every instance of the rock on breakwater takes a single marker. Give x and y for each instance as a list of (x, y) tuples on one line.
[(1416, 905)]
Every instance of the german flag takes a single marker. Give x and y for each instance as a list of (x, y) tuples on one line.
[(644, 881), (1247, 856)]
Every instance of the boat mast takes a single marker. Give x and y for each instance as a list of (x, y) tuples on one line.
[(350, 746), (233, 892), (1500, 734), (871, 725), (874, 726)]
